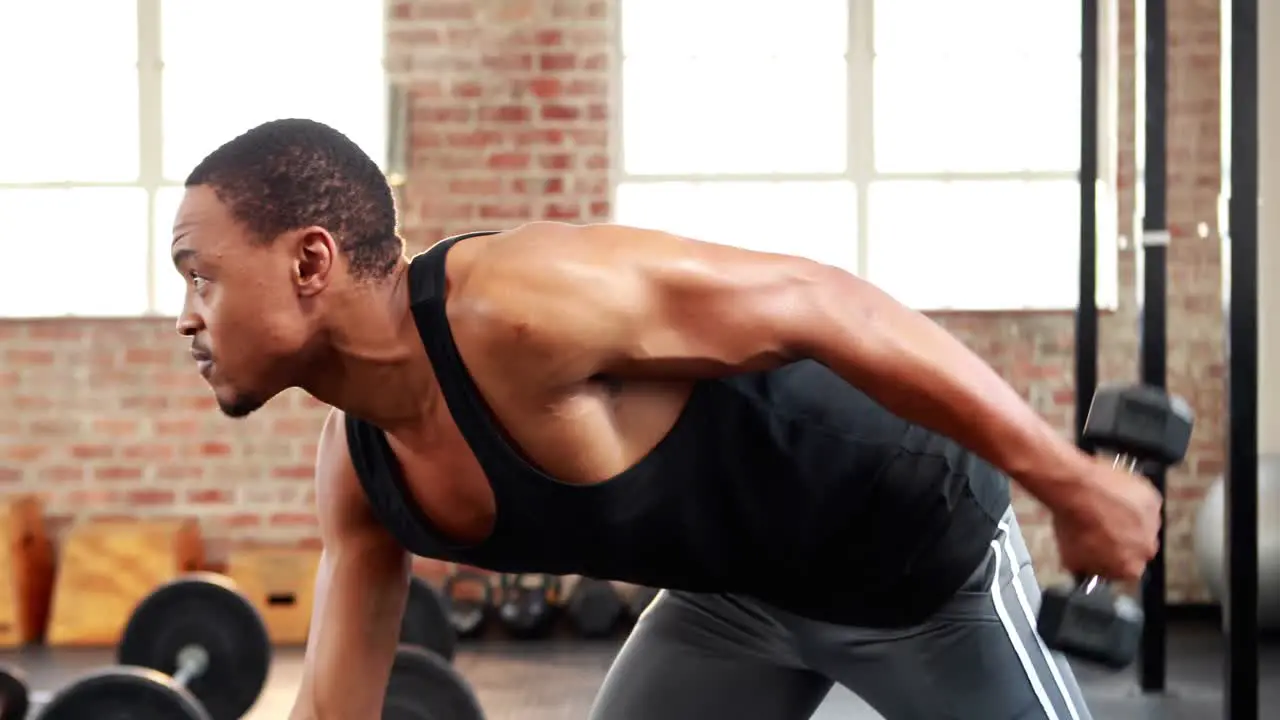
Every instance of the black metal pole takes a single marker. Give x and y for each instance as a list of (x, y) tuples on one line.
[(1087, 306), (1241, 699), (1152, 313)]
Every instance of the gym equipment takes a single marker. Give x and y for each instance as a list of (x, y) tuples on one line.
[(195, 648), (526, 604), (280, 582), (1089, 621), (425, 623), (106, 567), (1210, 538), (425, 687), (468, 597), (594, 607), (15, 694)]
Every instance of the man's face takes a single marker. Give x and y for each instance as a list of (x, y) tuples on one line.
[(249, 305)]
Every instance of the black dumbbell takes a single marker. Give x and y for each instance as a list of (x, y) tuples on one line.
[(594, 607), (1137, 423), (527, 604), (15, 694), (468, 597)]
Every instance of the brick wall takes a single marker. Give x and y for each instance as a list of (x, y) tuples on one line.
[(509, 122)]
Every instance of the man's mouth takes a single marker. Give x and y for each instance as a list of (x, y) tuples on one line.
[(204, 361)]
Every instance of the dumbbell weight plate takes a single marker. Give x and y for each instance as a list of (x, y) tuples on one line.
[(595, 608), (206, 610), (425, 623), (425, 687), (123, 693), (15, 694), (1098, 626), (468, 597)]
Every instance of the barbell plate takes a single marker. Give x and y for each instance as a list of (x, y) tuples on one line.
[(205, 610), (123, 693), (425, 687), (15, 694), (426, 622)]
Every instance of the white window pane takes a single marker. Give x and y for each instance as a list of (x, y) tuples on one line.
[(170, 287), (737, 27), (817, 220), (71, 79), (211, 95), (975, 245), (733, 115), (914, 27), (977, 114), (81, 251)]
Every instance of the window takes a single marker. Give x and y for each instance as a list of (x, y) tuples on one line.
[(91, 170), (927, 145)]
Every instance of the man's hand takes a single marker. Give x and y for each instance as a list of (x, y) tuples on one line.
[(1111, 528)]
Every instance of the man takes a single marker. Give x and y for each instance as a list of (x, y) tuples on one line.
[(816, 473)]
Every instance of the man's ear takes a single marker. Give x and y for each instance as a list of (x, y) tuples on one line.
[(315, 255)]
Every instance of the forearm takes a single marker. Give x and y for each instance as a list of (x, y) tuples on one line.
[(360, 597), (922, 373)]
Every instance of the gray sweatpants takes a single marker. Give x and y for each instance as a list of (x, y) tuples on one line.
[(707, 657)]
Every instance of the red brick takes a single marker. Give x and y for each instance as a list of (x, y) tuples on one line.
[(150, 497), (210, 496), (506, 114), (560, 112), (557, 61), (28, 356)]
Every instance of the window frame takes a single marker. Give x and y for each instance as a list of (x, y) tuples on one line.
[(151, 177), (860, 165)]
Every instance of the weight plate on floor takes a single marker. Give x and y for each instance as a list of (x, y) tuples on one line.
[(468, 597), (204, 610), (123, 693), (425, 687), (595, 608), (15, 694)]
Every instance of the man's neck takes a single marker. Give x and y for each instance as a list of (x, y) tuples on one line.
[(374, 365)]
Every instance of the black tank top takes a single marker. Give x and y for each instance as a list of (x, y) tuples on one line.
[(790, 486)]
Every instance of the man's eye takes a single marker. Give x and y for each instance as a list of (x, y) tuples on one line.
[(196, 280)]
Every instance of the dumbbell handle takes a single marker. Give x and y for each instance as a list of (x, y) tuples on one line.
[(193, 660), (1130, 464)]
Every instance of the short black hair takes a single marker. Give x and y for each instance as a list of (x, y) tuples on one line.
[(292, 173)]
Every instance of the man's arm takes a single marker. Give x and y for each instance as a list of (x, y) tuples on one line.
[(613, 300), (359, 599)]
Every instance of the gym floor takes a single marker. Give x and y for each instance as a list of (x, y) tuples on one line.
[(556, 680)]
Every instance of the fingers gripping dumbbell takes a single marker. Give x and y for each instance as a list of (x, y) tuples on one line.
[(1139, 424)]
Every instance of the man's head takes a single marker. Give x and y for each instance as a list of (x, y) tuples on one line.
[(274, 226)]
